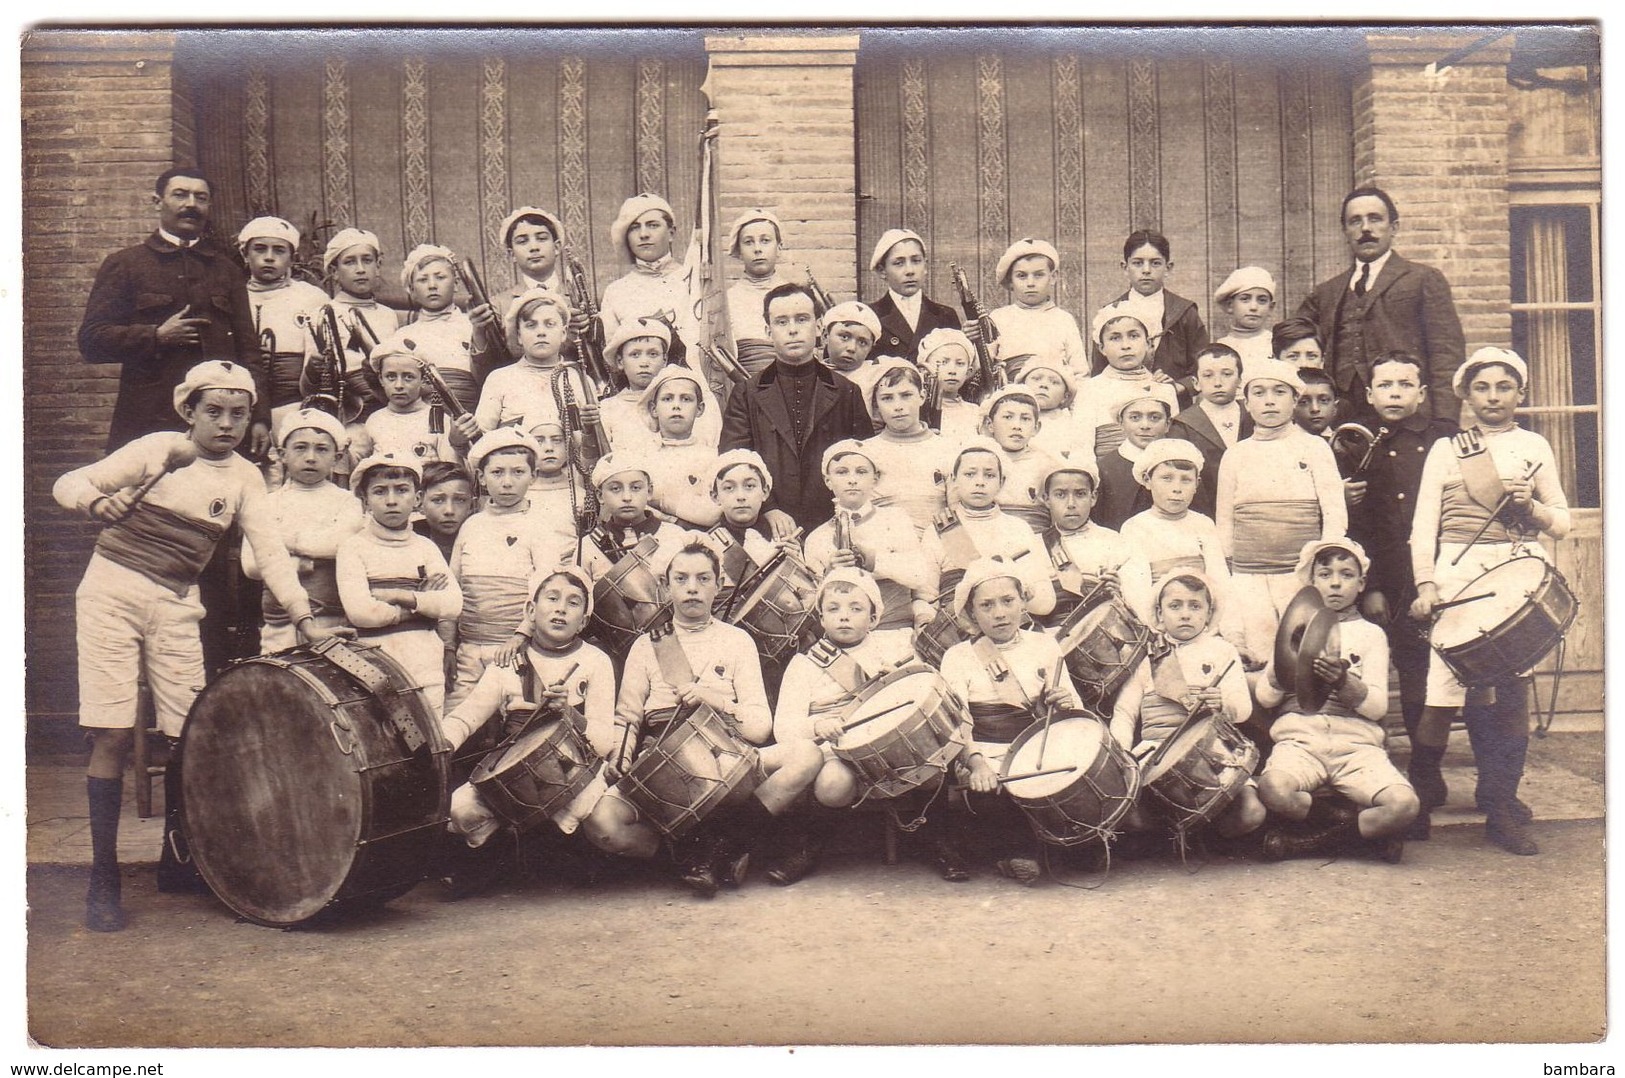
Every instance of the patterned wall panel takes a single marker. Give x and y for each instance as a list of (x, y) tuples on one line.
[(256, 142), (338, 192), (495, 198), (416, 191)]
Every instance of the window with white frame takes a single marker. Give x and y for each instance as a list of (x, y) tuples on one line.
[(1557, 328)]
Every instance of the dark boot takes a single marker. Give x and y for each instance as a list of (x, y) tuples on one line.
[(473, 870), (1426, 775), (1281, 843), (1505, 739), (944, 845), (692, 855), (747, 829), (103, 912), (176, 873)]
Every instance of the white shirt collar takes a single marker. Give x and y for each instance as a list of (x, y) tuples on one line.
[(1376, 269), (175, 241), (908, 306)]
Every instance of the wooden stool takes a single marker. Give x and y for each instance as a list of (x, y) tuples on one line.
[(146, 724)]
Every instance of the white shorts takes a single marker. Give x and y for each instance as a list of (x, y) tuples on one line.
[(472, 659), (1347, 754), (1257, 602), (126, 622)]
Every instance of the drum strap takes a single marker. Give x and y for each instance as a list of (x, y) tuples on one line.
[(1478, 472), (1058, 556), (1168, 677), (839, 665), (735, 562), (1005, 685), (958, 548), (674, 664), (354, 661)]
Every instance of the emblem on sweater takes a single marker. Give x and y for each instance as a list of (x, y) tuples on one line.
[(512, 539), (217, 507)]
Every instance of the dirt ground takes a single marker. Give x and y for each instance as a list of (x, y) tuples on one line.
[(1461, 942)]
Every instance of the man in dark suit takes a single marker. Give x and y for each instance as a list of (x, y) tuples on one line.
[(167, 304), (791, 412), (1385, 303), (906, 314)]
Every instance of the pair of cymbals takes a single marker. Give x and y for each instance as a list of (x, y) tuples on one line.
[(1307, 631)]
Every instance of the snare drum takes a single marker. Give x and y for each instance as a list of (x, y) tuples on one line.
[(899, 731), (310, 779), (528, 780), (1082, 782), (696, 764), (1520, 610), (626, 601), (779, 613), (1195, 774), (1110, 642)]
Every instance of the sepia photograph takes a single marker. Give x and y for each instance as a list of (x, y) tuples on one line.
[(811, 535)]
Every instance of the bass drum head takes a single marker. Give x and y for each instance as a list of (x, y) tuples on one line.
[(1506, 588), (273, 809)]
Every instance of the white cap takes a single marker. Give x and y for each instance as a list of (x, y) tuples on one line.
[(1022, 249), (979, 572), (315, 418), (508, 223), (631, 210), (631, 330), (842, 448), (1484, 357), (1114, 310), (501, 438), (852, 311), (569, 569), (942, 338), (1162, 451), (343, 240), (389, 459), (423, 252), (608, 468), (268, 228), (1244, 278), (215, 374), (1270, 370), (1064, 462), (734, 458), (510, 318), (889, 239), (1312, 549), (857, 578), (747, 218)]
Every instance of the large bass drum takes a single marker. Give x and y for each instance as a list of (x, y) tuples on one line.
[(313, 779)]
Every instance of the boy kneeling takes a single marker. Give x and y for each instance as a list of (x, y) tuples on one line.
[(1342, 744)]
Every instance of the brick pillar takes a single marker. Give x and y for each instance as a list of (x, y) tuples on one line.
[(98, 111), (787, 144), (1437, 142)]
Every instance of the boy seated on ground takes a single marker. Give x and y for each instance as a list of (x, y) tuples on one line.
[(1340, 743)]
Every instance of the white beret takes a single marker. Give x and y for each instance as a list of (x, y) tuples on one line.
[(510, 318), (390, 459), (1035, 363), (1207, 583), (889, 239), (993, 400), (852, 311), (1311, 550), (423, 252), (1114, 310), (842, 448), (501, 438), (885, 367), (979, 572), (942, 338), (1022, 249), (1484, 357), (669, 373), (505, 230), (343, 240), (631, 210), (979, 443), (1270, 370), (315, 418), (1162, 451), (575, 572), (857, 578), (215, 374), (608, 468), (735, 458), (1064, 462), (269, 228), (747, 218), (631, 330), (391, 346), (1153, 391), (1244, 278)]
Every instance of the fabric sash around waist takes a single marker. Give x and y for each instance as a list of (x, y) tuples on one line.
[(412, 622), (462, 385), (1269, 536), (899, 602), (321, 584), (1461, 516), (1164, 567), (285, 370), (166, 547), (493, 607), (1160, 717), (998, 723)]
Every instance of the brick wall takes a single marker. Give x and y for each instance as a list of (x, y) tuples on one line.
[(1437, 142), (98, 111), (786, 144)]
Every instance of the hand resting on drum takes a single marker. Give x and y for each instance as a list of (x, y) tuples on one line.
[(1427, 597), (983, 778)]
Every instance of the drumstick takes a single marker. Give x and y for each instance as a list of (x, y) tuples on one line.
[(1049, 713), (179, 456), (1448, 603), (1037, 774), (877, 715), (1500, 505)]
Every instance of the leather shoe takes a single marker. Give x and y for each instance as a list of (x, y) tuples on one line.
[(950, 863), (1503, 828), (793, 867)]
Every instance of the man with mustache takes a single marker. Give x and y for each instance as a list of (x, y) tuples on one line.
[(167, 304), (1383, 302)]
